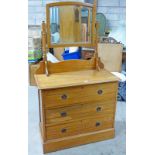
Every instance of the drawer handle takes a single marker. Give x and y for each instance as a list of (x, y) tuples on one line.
[(98, 124), (100, 92), (63, 130), (98, 109), (64, 97), (63, 114)]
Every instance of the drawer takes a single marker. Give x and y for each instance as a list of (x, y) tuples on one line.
[(81, 94), (84, 126), (78, 112)]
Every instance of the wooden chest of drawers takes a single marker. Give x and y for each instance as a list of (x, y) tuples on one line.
[(76, 111)]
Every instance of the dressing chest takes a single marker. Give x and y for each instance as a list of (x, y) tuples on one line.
[(77, 98), (76, 108)]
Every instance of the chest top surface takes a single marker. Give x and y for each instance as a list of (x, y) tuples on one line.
[(77, 78)]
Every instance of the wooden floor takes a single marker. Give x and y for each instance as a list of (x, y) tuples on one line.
[(114, 146)]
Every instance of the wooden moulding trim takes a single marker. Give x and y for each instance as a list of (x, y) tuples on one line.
[(66, 66), (74, 85), (115, 105), (62, 143), (69, 3), (48, 30), (70, 65)]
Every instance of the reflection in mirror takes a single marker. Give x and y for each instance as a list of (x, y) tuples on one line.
[(70, 24), (54, 24), (89, 1)]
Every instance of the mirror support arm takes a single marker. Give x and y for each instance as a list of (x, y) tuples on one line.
[(99, 64), (44, 43)]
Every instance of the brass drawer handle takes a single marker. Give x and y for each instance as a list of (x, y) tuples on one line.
[(98, 124), (63, 114), (100, 92), (63, 130), (64, 97), (98, 109)]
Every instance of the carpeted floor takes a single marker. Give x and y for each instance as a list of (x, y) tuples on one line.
[(116, 146)]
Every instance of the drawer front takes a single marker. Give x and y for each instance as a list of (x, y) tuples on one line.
[(84, 126), (78, 112), (81, 94)]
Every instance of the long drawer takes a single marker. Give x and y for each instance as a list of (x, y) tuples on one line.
[(81, 94), (78, 112), (79, 127)]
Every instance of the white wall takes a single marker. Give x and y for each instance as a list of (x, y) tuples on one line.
[(115, 12)]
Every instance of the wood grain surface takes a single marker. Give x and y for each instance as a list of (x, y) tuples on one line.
[(74, 78), (79, 94), (66, 142), (79, 112), (75, 128), (77, 98)]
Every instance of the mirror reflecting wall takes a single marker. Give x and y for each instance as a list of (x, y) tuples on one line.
[(75, 24)]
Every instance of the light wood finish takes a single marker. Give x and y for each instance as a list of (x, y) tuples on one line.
[(63, 130), (83, 126), (44, 40), (71, 94), (99, 64), (69, 3), (66, 66), (70, 112), (78, 112), (69, 30), (89, 93), (111, 56), (67, 26), (94, 31), (32, 70), (42, 116), (46, 66), (66, 142), (89, 25), (66, 79), (43, 33)]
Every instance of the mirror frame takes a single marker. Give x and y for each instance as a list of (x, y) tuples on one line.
[(93, 30)]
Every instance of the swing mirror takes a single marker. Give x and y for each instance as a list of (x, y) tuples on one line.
[(70, 24)]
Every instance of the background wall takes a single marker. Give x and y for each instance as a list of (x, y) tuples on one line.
[(114, 10)]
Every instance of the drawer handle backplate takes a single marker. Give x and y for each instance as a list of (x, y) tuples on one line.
[(98, 109), (100, 92), (63, 114), (63, 130), (98, 124), (64, 97)]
